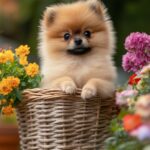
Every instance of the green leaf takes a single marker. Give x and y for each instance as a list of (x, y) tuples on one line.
[(18, 94), (130, 145)]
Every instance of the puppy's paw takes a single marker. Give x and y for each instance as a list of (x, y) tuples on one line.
[(68, 87), (88, 93)]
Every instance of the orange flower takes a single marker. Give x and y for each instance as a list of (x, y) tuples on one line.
[(32, 69), (131, 122), (22, 50), (9, 55), (14, 82), (23, 60), (3, 58), (8, 110), (3, 101), (5, 87)]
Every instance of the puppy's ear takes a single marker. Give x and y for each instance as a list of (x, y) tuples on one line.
[(97, 6), (49, 16)]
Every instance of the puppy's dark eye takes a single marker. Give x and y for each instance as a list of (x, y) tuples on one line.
[(67, 36), (87, 34)]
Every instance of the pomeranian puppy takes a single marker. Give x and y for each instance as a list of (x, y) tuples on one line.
[(76, 47)]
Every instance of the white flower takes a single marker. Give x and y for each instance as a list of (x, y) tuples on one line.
[(145, 69), (142, 106)]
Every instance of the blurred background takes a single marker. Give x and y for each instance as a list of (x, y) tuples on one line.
[(19, 24)]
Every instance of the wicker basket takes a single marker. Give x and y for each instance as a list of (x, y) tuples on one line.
[(53, 120)]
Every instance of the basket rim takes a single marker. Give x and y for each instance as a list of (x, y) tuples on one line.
[(43, 94)]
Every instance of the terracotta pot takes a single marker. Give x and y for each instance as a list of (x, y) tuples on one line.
[(9, 138)]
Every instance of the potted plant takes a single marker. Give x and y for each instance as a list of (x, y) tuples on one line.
[(16, 74)]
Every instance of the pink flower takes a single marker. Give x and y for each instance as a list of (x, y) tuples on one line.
[(122, 97), (137, 41), (142, 132), (133, 63), (138, 55)]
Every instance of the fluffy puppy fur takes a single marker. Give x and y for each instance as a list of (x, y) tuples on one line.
[(87, 63)]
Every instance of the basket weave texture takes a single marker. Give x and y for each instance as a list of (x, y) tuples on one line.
[(53, 120)]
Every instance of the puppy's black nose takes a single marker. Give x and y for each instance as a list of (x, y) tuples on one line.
[(78, 41)]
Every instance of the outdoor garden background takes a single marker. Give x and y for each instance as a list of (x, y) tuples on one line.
[(19, 24)]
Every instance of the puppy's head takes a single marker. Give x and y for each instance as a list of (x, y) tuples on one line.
[(77, 29)]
